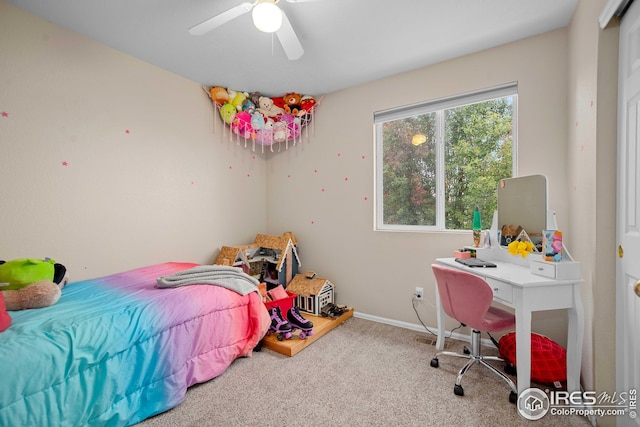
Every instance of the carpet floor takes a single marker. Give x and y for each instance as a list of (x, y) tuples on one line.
[(362, 373)]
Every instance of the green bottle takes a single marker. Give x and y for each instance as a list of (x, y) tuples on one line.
[(477, 227)]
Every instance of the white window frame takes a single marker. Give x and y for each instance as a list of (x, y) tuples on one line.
[(438, 106)]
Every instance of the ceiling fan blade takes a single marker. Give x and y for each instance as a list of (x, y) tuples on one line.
[(289, 40), (211, 23)]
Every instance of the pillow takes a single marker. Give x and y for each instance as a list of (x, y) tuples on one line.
[(548, 358)]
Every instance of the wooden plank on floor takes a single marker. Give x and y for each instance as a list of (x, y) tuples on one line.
[(292, 346)]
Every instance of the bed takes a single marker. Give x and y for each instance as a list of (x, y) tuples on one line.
[(118, 349)]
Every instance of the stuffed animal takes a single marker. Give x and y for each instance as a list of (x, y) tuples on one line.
[(228, 112), (37, 295), (248, 106), (279, 101), (292, 103), (31, 283), (307, 103), (268, 108), (219, 95), (241, 125), (238, 99), (255, 98), (257, 120), (280, 132)]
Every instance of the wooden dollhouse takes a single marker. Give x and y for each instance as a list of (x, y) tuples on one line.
[(270, 259), (312, 293)]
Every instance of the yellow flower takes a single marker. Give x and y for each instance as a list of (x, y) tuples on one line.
[(520, 248), (513, 248)]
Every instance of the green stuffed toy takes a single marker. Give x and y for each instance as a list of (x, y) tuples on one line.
[(18, 273), (31, 283)]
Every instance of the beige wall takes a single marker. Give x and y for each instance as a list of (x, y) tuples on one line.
[(169, 190), (324, 189), (591, 154)]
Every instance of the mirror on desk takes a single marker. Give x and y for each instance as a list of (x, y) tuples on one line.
[(522, 201)]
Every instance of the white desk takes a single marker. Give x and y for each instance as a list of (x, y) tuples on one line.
[(514, 285)]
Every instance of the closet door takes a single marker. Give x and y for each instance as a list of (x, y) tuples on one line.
[(628, 214)]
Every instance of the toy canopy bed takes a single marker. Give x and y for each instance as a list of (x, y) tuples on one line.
[(118, 349)]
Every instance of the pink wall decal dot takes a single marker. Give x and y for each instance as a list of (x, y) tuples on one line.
[(248, 175), (363, 157), (230, 167), (346, 178), (315, 171), (366, 198), (312, 222), (65, 163), (289, 176), (127, 131), (322, 190), (5, 114), (339, 154)]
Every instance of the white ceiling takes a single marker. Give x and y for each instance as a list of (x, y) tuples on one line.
[(346, 42)]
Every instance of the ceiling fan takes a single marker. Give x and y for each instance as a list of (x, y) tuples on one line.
[(267, 17)]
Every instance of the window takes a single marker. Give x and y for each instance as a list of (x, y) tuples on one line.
[(437, 161)]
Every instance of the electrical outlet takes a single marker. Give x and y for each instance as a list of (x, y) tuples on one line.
[(419, 294)]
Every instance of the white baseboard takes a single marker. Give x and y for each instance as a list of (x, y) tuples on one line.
[(416, 327)]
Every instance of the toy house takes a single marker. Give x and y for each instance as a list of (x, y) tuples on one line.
[(270, 259), (282, 261), (312, 294), (234, 256)]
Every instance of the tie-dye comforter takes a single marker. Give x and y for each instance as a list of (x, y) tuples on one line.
[(117, 349)]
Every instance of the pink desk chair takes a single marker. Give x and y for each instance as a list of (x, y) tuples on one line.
[(467, 298)]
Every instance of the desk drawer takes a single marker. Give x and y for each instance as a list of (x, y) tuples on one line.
[(545, 269), (501, 291), (565, 270)]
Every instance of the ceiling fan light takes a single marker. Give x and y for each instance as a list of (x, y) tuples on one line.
[(267, 17)]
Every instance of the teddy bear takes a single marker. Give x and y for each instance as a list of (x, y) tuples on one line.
[(292, 103), (31, 283), (268, 108)]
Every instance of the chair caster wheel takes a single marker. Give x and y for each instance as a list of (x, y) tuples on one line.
[(457, 390), (434, 363), (513, 397), (509, 369), (466, 350)]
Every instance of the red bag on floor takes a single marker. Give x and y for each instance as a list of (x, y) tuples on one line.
[(548, 358)]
